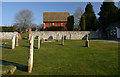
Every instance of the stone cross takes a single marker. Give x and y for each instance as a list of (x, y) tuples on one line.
[(13, 42), (87, 41), (30, 60), (62, 39), (17, 40), (38, 42)]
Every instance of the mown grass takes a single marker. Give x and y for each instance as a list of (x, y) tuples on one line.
[(71, 59)]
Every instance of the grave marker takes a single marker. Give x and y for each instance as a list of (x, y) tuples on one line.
[(70, 36), (57, 37), (13, 42), (62, 39), (30, 60), (87, 41), (38, 42)]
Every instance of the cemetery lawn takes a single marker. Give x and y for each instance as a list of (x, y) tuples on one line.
[(101, 58)]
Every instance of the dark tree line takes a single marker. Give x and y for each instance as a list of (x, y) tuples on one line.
[(89, 19), (108, 14)]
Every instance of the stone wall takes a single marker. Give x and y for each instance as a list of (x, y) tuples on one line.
[(7, 35), (67, 34)]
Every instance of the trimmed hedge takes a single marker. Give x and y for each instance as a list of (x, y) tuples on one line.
[(8, 28)]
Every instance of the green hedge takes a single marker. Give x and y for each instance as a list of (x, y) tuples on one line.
[(8, 29), (54, 28)]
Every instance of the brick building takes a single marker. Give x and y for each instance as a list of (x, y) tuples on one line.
[(55, 19)]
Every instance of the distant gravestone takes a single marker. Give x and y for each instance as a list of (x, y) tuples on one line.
[(62, 39), (57, 37), (87, 41), (13, 42), (70, 36), (30, 60), (38, 42)]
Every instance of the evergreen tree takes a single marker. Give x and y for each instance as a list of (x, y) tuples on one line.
[(90, 18), (119, 11), (108, 14), (83, 23), (119, 14), (70, 23)]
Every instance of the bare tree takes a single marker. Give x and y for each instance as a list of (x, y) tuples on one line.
[(77, 16), (40, 27), (24, 18), (33, 26)]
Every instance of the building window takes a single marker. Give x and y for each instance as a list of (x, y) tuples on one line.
[(53, 24), (57, 24), (61, 24), (48, 24)]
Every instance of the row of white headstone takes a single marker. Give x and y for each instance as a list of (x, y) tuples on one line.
[(14, 38), (30, 60)]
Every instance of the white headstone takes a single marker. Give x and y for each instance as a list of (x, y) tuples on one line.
[(62, 39), (30, 60), (38, 42), (13, 42)]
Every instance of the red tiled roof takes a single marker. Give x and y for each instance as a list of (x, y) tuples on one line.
[(55, 16)]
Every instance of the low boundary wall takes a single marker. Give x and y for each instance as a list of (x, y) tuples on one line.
[(67, 34), (7, 35)]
